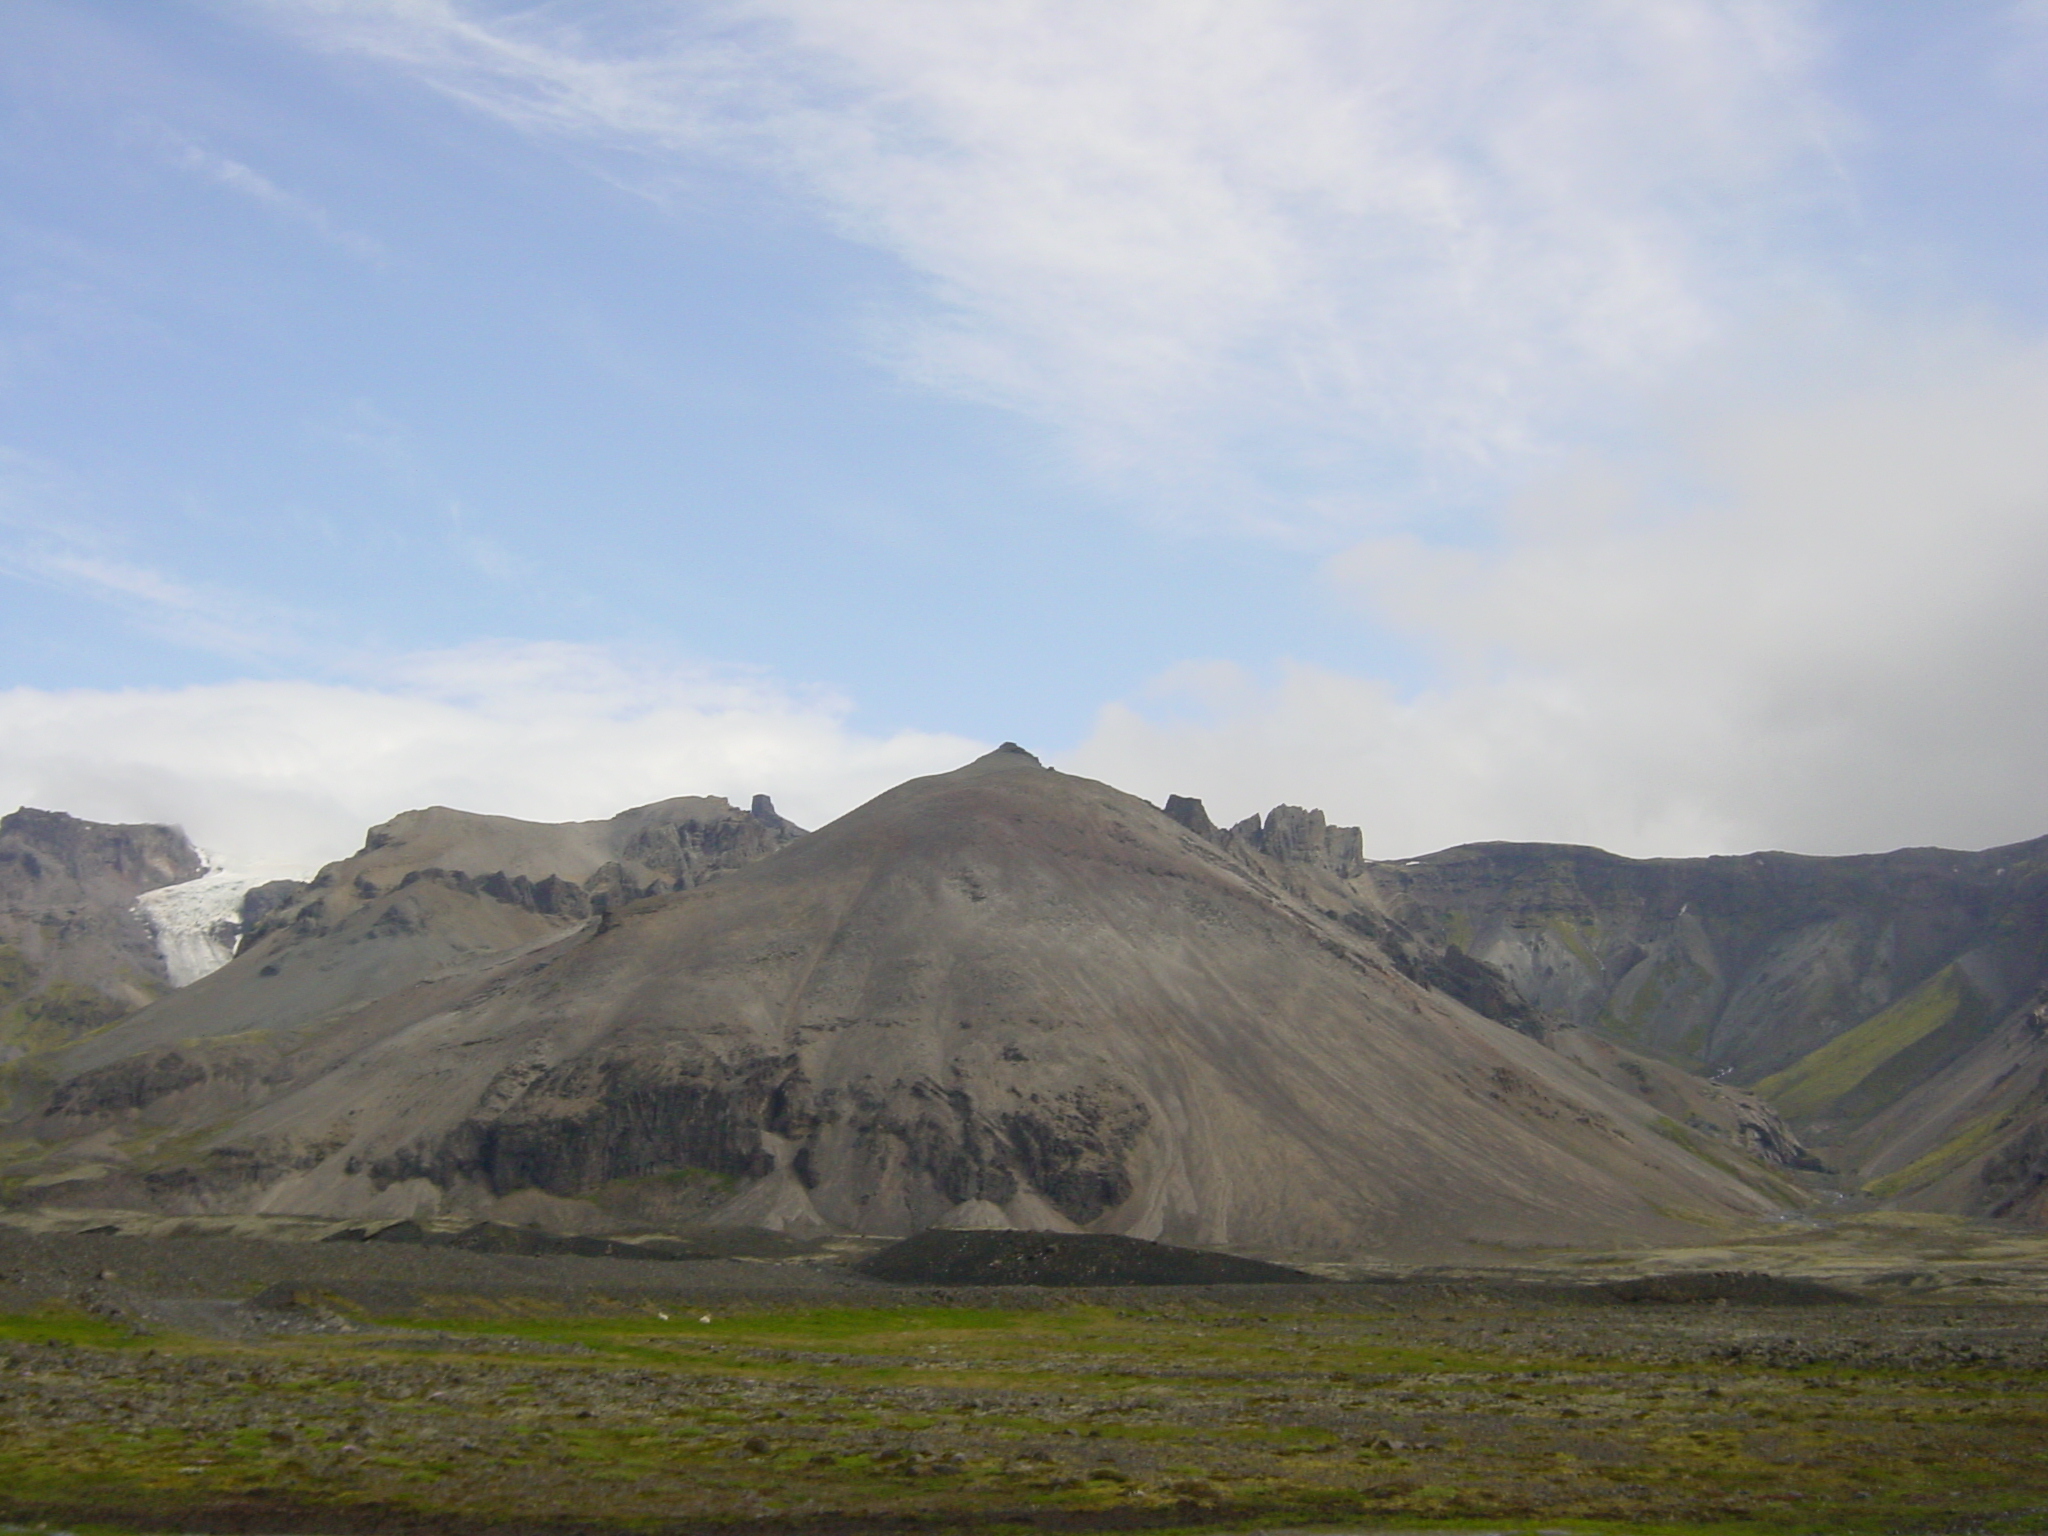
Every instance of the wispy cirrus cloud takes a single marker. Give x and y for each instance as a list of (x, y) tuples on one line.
[(1328, 252), (49, 537), (231, 174)]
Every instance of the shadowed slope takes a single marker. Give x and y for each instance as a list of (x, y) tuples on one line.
[(1893, 1006)]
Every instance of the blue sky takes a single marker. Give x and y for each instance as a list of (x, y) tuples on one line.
[(1623, 423)]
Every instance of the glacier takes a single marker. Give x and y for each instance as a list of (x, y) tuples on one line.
[(196, 922)]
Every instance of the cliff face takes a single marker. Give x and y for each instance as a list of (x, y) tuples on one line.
[(74, 953), (1887, 1005), (1001, 987)]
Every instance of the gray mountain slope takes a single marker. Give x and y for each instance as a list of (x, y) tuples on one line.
[(74, 953), (1324, 867), (1001, 985)]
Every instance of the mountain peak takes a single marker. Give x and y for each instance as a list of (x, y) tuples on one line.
[(1007, 758)]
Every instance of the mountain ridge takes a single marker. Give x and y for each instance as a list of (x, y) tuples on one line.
[(1891, 1006), (1001, 985)]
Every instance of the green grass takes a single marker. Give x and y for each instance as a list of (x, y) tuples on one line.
[(64, 1325), (1174, 1412), (1579, 941), (1975, 1137), (1831, 1074), (881, 1343)]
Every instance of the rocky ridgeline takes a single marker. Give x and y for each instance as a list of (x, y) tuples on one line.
[(1002, 996), (569, 872)]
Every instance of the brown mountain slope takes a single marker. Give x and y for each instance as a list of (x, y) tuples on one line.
[(74, 953), (439, 892), (999, 985)]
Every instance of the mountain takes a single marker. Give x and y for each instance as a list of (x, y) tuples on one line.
[(75, 954), (1002, 988), (1892, 1006), (436, 893)]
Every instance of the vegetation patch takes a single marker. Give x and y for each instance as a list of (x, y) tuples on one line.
[(1978, 1136), (1179, 1410), (1818, 1081)]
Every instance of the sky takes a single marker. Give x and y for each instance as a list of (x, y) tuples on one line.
[(1618, 421)]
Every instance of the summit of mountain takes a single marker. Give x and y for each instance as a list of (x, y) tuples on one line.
[(998, 987)]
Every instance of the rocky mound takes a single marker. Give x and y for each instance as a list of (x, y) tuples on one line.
[(1745, 1287), (941, 1257)]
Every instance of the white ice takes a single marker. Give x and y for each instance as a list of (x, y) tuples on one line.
[(197, 922)]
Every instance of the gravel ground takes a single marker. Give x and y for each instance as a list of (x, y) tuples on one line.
[(231, 1383)]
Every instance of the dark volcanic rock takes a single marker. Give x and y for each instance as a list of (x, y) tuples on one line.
[(1744, 1287), (1297, 836), (1065, 1258)]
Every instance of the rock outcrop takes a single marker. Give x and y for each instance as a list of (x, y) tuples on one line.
[(75, 955)]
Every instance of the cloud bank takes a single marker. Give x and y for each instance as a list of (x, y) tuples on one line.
[(1813, 620), (1330, 274), (283, 776)]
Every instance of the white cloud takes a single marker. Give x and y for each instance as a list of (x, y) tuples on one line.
[(1425, 231), (50, 537), (288, 774), (1816, 621), (258, 188)]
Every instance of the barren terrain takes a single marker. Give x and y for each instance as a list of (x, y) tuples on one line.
[(239, 1383)]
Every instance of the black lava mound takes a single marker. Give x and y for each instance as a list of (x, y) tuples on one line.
[(1065, 1258), (497, 1237), (1743, 1287)]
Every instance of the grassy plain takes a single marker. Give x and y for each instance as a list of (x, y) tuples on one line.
[(1342, 1406)]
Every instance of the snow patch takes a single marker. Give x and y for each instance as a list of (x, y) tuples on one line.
[(196, 922)]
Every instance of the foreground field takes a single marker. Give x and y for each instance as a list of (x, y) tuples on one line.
[(1358, 1405)]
